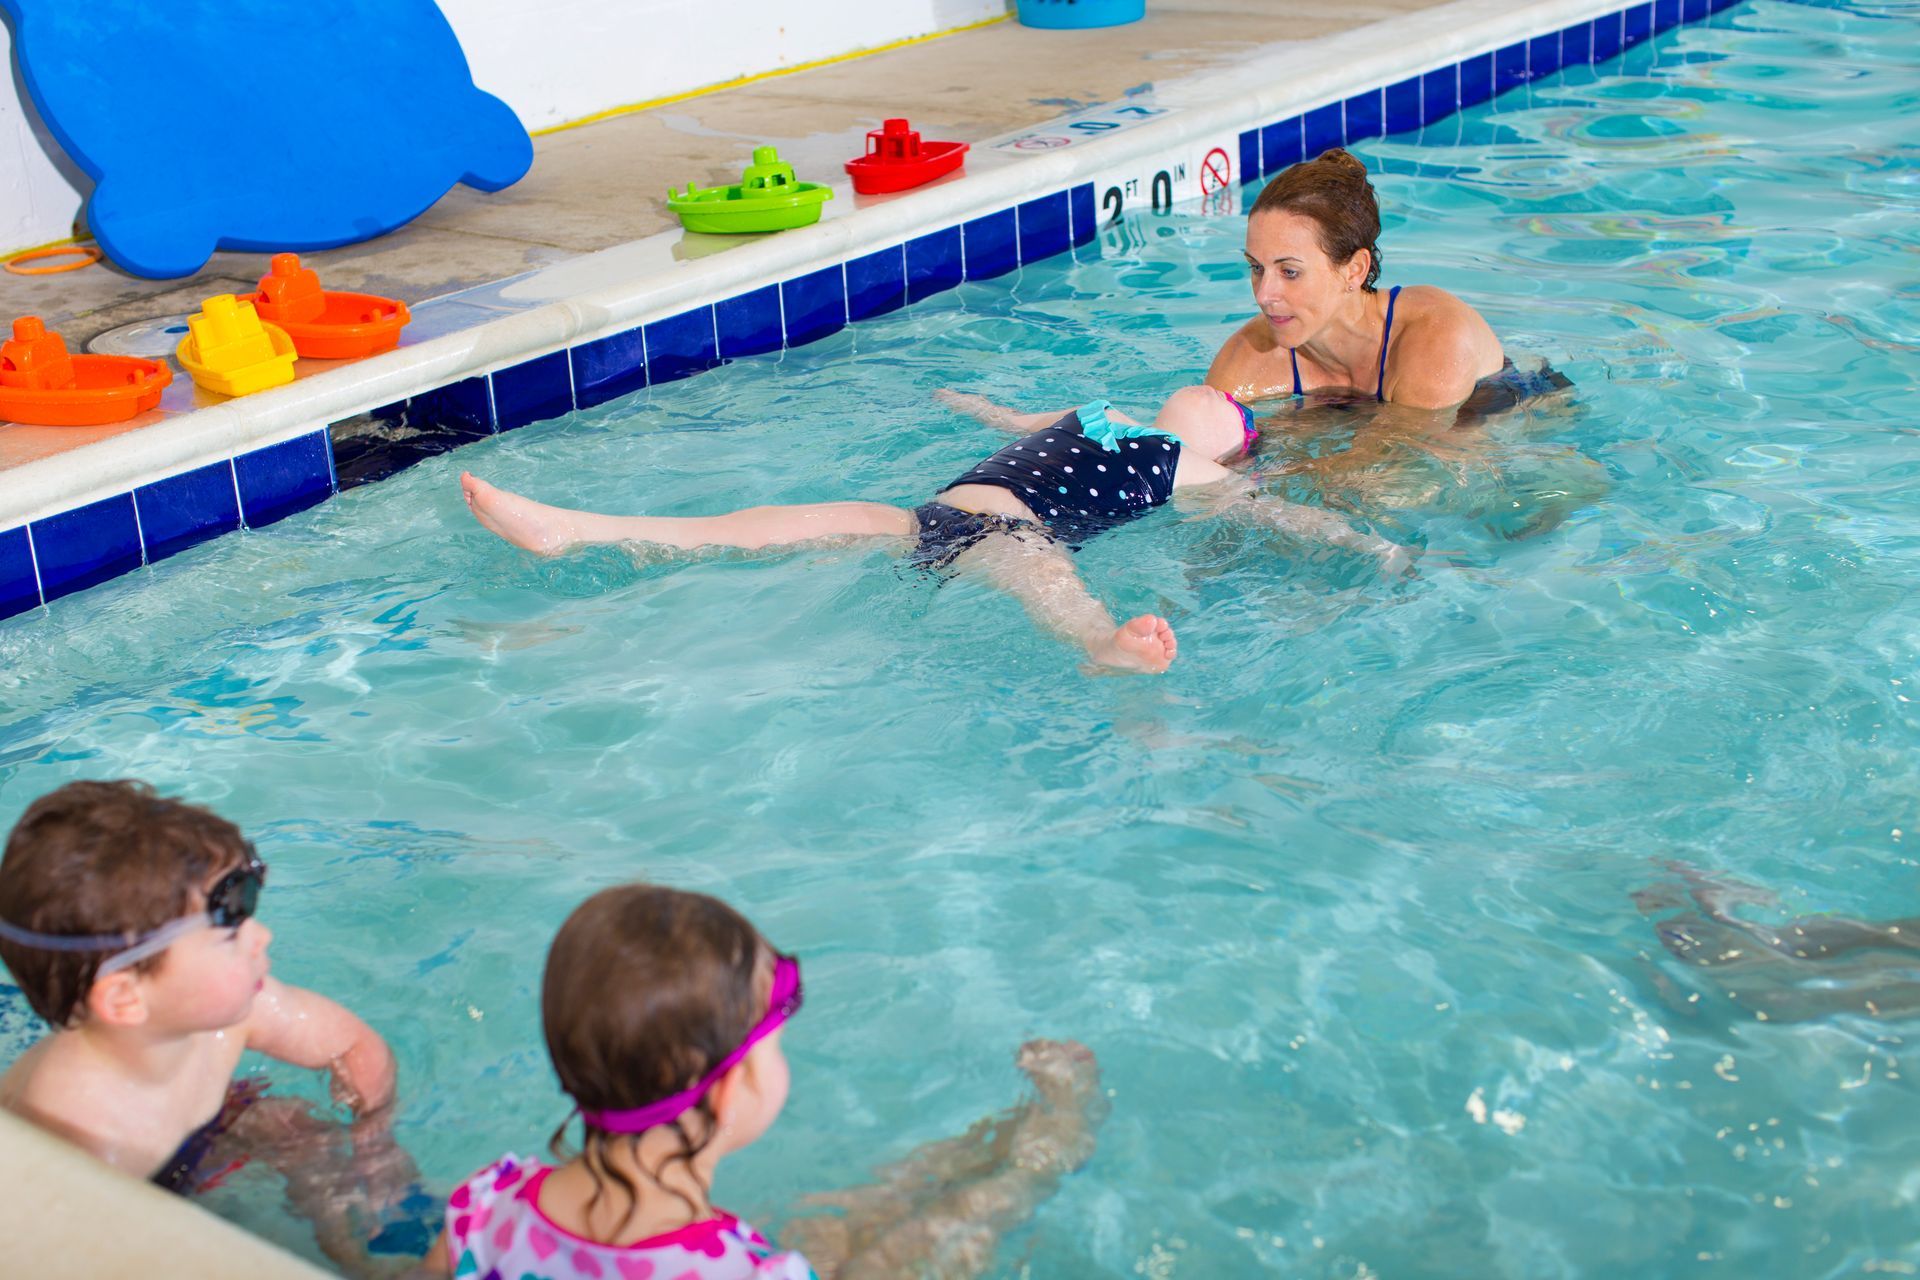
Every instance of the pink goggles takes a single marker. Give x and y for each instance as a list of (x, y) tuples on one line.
[(782, 1004)]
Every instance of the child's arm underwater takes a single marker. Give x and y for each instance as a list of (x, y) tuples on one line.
[(1000, 416), (1235, 498)]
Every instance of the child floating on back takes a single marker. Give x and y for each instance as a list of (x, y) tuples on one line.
[(1014, 517), (664, 1013)]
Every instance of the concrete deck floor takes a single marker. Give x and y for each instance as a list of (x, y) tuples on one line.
[(605, 183)]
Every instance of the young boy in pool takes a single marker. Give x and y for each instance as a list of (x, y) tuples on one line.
[(1014, 518), (127, 919)]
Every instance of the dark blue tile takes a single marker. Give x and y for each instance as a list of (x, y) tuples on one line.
[(1510, 67), (1280, 146), (1637, 25), (815, 305), (1693, 10), (1439, 94), (991, 245), (1364, 119), (877, 283), (1476, 80), (181, 510), (79, 548), (1086, 221), (1249, 154), (749, 324), (466, 405), (1606, 37), (1043, 228), (1321, 128), (933, 263), (1403, 106), (1576, 45), (608, 367), (680, 346), (19, 589), (1543, 55), (1718, 5), (533, 390), (1666, 15), (284, 478)]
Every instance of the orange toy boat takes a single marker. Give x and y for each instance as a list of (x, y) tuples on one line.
[(326, 324), (41, 384)]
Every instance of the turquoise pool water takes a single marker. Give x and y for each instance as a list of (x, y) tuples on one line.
[(1346, 902)]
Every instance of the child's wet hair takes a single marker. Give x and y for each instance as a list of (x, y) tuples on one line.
[(103, 858), (646, 990)]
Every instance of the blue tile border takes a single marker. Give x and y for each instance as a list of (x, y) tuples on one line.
[(608, 367), (815, 305), (1045, 227), (747, 324), (933, 263), (182, 510), (681, 345), (532, 390), (86, 546), (877, 283), (991, 245), (19, 583), (281, 479), (66, 552)]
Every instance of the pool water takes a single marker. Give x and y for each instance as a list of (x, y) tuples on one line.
[(1346, 902)]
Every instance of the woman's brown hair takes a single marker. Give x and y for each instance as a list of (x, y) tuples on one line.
[(1333, 190), (646, 989)]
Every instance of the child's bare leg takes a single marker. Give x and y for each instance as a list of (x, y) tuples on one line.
[(1042, 577), (952, 1227), (549, 531)]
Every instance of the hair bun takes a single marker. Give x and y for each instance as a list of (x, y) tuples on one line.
[(1339, 158)]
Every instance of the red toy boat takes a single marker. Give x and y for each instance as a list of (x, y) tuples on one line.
[(41, 384), (896, 159), (326, 324)]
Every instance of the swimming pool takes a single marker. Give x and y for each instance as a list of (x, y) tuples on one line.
[(1343, 902)]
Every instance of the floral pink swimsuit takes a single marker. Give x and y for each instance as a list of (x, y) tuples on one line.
[(495, 1231)]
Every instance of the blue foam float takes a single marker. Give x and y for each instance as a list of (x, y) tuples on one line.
[(259, 125)]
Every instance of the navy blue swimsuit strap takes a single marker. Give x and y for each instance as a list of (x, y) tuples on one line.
[(1386, 335), (1295, 357)]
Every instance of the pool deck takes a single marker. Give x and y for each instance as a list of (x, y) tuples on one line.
[(599, 185)]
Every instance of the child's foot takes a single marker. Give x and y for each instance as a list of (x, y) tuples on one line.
[(525, 523), (1056, 1133), (1144, 643)]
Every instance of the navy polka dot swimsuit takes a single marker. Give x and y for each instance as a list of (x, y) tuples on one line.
[(1084, 475)]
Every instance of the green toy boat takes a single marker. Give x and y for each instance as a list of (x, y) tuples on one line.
[(767, 199)]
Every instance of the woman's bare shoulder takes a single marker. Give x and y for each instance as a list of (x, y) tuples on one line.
[(1238, 367)]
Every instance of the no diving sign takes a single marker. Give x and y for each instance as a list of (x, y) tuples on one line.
[(1216, 172)]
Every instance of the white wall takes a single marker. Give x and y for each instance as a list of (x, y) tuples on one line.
[(551, 61)]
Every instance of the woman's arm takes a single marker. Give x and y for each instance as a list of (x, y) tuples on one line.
[(308, 1030)]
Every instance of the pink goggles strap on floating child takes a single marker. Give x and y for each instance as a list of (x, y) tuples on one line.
[(783, 1003)]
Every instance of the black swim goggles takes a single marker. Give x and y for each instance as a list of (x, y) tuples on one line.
[(231, 902)]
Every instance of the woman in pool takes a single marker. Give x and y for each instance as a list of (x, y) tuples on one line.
[(1313, 255), (1012, 518)]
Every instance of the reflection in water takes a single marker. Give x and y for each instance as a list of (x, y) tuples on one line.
[(1805, 967)]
